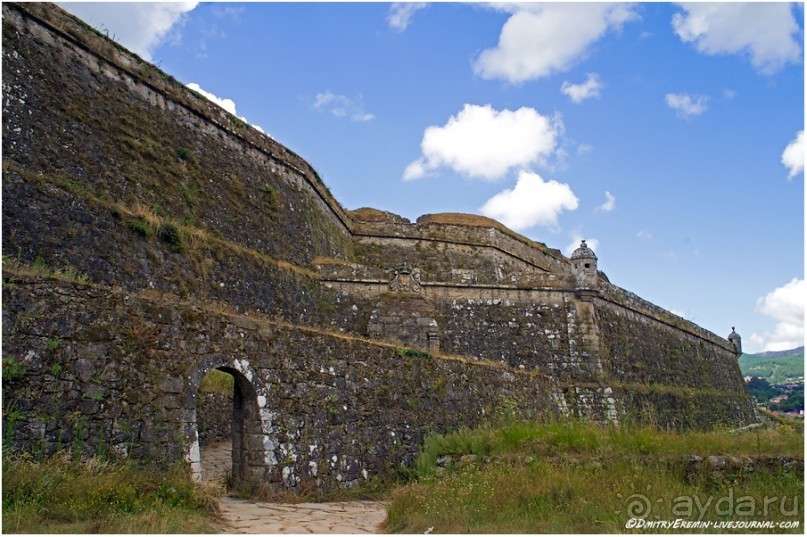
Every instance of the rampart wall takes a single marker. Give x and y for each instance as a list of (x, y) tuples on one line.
[(112, 371), (520, 249), (124, 372)]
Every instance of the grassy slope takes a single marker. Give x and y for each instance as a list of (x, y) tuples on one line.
[(579, 478), (527, 478), (775, 369), (61, 495)]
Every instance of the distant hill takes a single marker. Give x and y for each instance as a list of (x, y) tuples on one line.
[(776, 367), (779, 354)]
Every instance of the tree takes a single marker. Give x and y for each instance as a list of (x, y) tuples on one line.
[(761, 389)]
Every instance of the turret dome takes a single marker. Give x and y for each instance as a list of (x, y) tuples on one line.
[(584, 252), (736, 342)]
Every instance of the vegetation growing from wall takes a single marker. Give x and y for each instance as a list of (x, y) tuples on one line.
[(134, 152), (40, 269), (639, 349), (578, 477)]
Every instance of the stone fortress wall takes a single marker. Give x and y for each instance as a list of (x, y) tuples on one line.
[(206, 245)]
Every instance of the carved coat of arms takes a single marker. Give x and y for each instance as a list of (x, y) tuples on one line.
[(405, 279)]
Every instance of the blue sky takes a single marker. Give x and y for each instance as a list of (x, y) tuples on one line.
[(670, 136)]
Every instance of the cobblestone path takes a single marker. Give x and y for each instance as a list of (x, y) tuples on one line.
[(242, 516)]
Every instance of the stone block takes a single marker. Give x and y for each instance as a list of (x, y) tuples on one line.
[(84, 369), (89, 407), (172, 385), (169, 401)]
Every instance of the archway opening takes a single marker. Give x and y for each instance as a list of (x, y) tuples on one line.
[(249, 446), (215, 415)]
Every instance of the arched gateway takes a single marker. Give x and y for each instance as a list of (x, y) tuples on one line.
[(253, 443)]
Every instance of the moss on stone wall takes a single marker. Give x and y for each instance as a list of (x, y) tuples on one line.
[(131, 364), (132, 151), (639, 350)]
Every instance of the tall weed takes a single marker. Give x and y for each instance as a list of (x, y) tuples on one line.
[(578, 477), (91, 496)]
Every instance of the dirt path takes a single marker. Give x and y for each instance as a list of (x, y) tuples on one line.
[(242, 516), (337, 517)]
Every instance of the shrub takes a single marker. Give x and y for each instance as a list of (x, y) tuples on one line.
[(414, 353), (270, 195), (185, 154), (169, 234), (13, 369), (140, 226)]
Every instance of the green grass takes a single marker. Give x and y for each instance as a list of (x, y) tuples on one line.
[(13, 368), (217, 382), (583, 478), (778, 418), (60, 495), (41, 269), (413, 353)]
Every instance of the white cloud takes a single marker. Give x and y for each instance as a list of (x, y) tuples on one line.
[(341, 106), (685, 106), (486, 143), (793, 155), (786, 305), (140, 27), (767, 32), (226, 104), (582, 149), (400, 14), (609, 204), (540, 39), (585, 90), (531, 202), (644, 234), (576, 236)]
